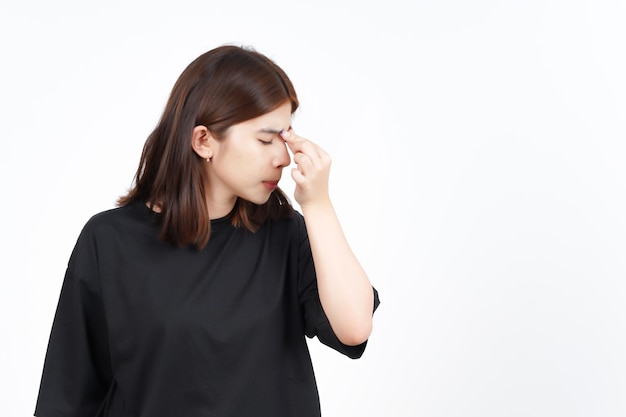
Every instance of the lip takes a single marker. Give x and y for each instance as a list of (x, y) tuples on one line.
[(270, 185)]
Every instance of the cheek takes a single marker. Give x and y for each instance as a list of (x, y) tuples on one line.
[(240, 165), (232, 155)]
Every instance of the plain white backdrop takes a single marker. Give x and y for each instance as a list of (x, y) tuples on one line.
[(479, 171)]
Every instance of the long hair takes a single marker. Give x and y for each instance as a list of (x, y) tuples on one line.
[(224, 86)]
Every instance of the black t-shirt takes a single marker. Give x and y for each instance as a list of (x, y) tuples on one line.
[(147, 329)]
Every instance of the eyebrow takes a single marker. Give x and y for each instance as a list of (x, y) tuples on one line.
[(272, 131), (267, 130)]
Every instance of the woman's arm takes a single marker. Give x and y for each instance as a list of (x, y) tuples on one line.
[(344, 288)]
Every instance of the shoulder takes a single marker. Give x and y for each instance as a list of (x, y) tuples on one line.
[(297, 220), (290, 230), (115, 223), (110, 229), (294, 224), (111, 219)]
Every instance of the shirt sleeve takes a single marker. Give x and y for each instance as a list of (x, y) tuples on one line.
[(315, 321), (77, 371)]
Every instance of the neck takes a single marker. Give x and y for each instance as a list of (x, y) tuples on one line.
[(219, 209)]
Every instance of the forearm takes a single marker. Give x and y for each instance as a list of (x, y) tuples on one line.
[(344, 288)]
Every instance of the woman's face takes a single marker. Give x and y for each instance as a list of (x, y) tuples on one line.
[(248, 161)]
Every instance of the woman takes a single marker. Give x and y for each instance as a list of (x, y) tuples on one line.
[(194, 296)]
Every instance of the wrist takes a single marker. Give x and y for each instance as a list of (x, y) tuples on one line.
[(321, 206)]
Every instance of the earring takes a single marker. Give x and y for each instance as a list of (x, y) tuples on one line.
[(209, 159)]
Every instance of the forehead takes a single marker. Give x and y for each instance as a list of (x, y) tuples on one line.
[(272, 122)]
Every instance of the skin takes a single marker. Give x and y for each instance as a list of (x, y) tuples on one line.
[(245, 164), (251, 154)]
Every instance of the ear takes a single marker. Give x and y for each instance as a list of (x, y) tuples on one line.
[(201, 142)]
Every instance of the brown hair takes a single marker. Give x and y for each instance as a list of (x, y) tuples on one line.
[(224, 86)]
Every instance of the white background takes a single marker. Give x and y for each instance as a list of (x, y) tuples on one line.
[(479, 170)]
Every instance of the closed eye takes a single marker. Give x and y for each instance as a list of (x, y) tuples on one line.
[(266, 142)]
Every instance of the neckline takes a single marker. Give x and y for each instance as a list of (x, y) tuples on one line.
[(155, 217), (221, 222)]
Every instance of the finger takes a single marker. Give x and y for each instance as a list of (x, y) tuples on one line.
[(324, 156), (293, 141), (312, 150), (297, 176), (286, 134), (299, 144), (303, 161)]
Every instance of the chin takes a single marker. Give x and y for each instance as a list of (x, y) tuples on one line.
[(258, 199)]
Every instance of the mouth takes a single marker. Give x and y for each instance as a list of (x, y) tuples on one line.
[(270, 185)]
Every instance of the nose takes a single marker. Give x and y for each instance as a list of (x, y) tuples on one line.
[(282, 158)]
